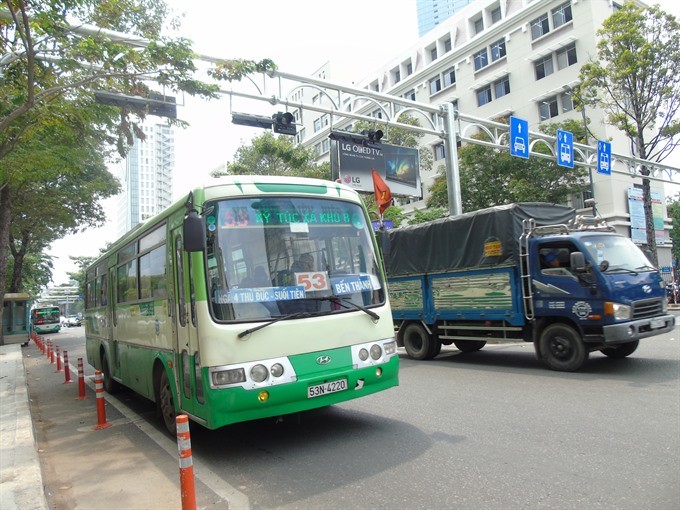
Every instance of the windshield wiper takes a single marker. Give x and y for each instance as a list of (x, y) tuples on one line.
[(645, 267), (342, 300), (620, 269), (298, 315)]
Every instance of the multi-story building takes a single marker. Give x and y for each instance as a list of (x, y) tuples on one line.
[(433, 12), (147, 177), (496, 58)]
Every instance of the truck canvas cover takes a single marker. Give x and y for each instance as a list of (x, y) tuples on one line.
[(483, 238)]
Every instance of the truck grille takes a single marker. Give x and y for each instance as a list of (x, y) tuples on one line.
[(647, 308)]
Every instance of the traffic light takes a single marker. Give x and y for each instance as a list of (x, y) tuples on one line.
[(284, 123)]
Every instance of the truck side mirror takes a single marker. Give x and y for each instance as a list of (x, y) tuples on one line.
[(577, 261), (193, 232)]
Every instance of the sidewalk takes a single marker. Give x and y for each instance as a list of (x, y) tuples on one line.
[(21, 485), (51, 456)]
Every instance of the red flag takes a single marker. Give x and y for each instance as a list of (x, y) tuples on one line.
[(383, 195)]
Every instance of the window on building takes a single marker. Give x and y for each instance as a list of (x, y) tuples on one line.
[(479, 25), (433, 54), (498, 49), (449, 77), (317, 125), (561, 14), (447, 45), (411, 94), (435, 85), (566, 56), (540, 26), (496, 15), (484, 95), (544, 67), (567, 102), (481, 59), (325, 146), (502, 87), (548, 108), (439, 152), (409, 69)]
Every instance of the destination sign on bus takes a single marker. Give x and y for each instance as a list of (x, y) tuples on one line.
[(242, 213)]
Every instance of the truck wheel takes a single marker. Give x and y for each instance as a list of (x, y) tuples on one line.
[(469, 345), (165, 404), (621, 351), (562, 348), (418, 343), (110, 385)]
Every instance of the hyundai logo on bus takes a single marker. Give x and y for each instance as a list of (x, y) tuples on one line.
[(323, 360)]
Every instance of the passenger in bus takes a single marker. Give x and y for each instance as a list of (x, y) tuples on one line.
[(304, 264)]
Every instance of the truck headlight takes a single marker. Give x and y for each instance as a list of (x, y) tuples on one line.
[(619, 311)]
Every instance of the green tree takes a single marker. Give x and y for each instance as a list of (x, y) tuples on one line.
[(635, 79), (51, 66), (270, 154), (490, 177), (429, 214)]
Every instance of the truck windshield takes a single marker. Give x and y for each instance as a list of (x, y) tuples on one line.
[(278, 256), (620, 253)]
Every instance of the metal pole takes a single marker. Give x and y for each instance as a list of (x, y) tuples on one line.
[(452, 173)]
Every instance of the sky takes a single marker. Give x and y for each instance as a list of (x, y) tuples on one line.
[(299, 36)]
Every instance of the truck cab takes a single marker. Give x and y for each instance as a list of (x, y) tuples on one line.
[(590, 283)]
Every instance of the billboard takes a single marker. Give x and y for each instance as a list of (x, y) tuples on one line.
[(353, 159), (638, 228)]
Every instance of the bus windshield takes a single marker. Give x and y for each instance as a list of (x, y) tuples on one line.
[(278, 256), (620, 253), (46, 315)]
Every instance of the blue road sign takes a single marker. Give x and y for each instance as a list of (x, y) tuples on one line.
[(604, 157), (565, 148), (519, 137)]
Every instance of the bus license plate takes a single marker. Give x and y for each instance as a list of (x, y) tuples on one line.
[(319, 390)]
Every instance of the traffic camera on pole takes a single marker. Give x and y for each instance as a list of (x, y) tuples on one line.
[(284, 123)]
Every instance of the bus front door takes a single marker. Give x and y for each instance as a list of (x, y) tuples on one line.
[(187, 359)]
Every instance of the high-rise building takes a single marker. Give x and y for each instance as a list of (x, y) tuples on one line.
[(494, 59), (147, 177), (433, 12)]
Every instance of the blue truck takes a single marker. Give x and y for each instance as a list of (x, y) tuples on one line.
[(530, 272)]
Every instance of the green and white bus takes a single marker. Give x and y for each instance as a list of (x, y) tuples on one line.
[(258, 297), (46, 319)]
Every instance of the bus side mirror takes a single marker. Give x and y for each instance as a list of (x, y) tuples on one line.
[(193, 232), (577, 261)]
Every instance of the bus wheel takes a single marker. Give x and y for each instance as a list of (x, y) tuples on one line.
[(469, 345), (418, 343), (562, 348), (166, 404), (110, 385), (621, 351)]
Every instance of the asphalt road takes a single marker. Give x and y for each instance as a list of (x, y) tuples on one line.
[(492, 429)]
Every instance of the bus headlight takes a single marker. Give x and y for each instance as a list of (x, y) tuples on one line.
[(363, 354), (259, 373), (277, 370), (376, 351), (222, 377)]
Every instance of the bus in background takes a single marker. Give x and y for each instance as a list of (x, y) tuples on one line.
[(46, 319), (255, 298)]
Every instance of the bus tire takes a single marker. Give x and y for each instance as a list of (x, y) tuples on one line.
[(562, 349), (111, 386), (622, 350), (469, 345), (418, 343), (165, 404)]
